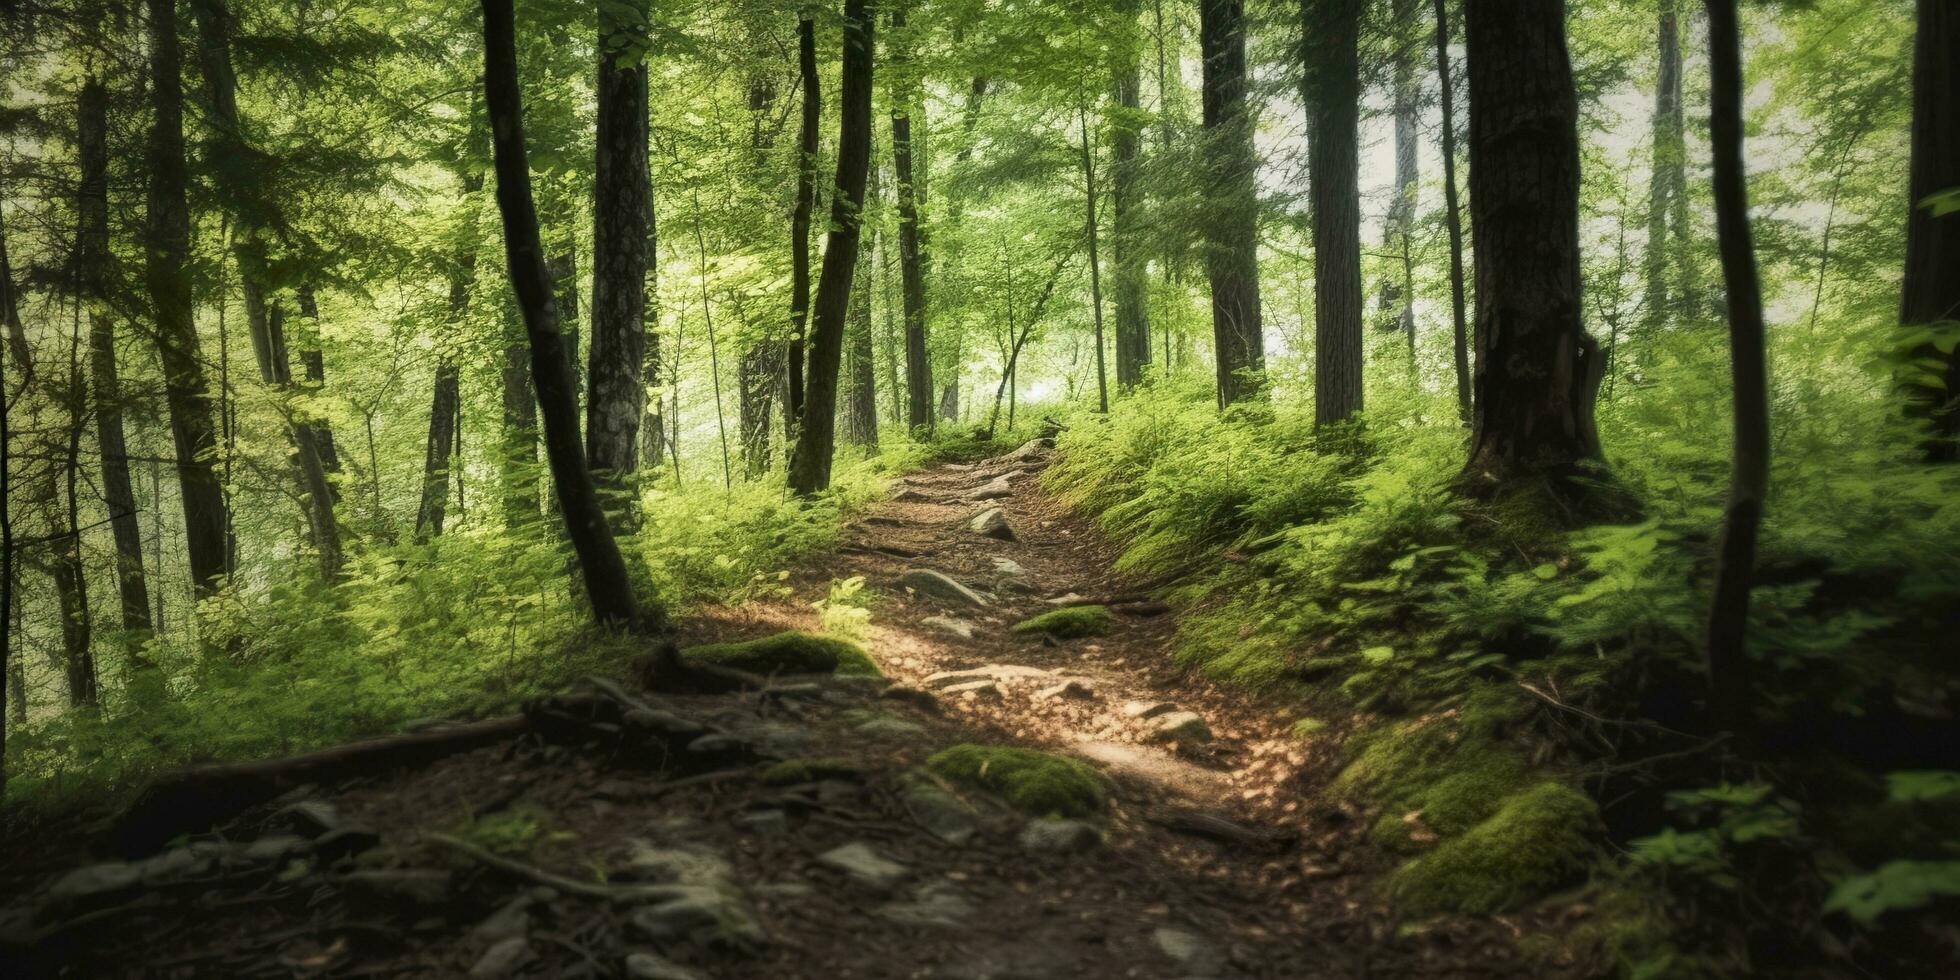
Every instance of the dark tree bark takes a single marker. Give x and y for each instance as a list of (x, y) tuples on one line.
[(760, 366), (809, 468), (606, 582), (861, 409), (1232, 225), (10, 691), (1728, 620), (911, 260), (622, 201), (264, 325), (1331, 42), (1126, 255), (1538, 372), (1452, 216), (70, 574), (92, 268), (1932, 274), (517, 425), (314, 364), (167, 264), (806, 200), (446, 402), (1095, 263)]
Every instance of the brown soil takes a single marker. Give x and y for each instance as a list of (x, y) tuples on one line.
[(1286, 889)]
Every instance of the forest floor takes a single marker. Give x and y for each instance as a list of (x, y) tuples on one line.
[(1214, 857)]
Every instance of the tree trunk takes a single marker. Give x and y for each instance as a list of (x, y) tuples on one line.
[(92, 267), (70, 574), (1232, 227), (1728, 619), (314, 363), (517, 426), (918, 360), (806, 200), (1452, 216), (762, 363), (1667, 171), (263, 322), (1126, 256), (622, 199), (1538, 372), (1331, 42), (1398, 294), (1931, 296), (861, 410), (1095, 264), (445, 404), (167, 266), (606, 582), (809, 471)]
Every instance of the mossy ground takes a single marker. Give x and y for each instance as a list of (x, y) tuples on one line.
[(789, 652), (1072, 623), (1033, 782), (1538, 840), (1454, 768)]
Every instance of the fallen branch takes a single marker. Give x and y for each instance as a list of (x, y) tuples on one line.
[(193, 800), (570, 886)]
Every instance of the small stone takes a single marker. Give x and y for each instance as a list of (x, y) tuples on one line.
[(1048, 836), (913, 495), (503, 959), (1009, 567), (992, 672), (96, 885), (510, 922), (992, 523), (947, 624), (995, 490), (715, 915), (987, 690), (177, 863), (720, 750), (311, 818), (766, 823), (885, 726), (942, 814), (1189, 949), (344, 842), (269, 850), (419, 886), (938, 585), (1180, 726), (1148, 709), (1071, 688), (864, 864), (1065, 599), (678, 865), (647, 966), (938, 903)]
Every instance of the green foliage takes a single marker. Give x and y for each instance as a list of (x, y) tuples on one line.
[(788, 652), (1036, 783), (1895, 886), (1071, 623)]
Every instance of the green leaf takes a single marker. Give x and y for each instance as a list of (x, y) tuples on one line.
[(1895, 886), (1921, 785)]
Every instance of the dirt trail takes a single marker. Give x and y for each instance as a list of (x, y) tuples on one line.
[(1215, 858)]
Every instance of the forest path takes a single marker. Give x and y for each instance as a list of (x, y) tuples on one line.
[(588, 852)]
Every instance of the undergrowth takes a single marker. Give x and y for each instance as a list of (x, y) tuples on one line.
[(1505, 670)]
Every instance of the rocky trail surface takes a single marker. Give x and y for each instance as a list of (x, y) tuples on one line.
[(798, 831)]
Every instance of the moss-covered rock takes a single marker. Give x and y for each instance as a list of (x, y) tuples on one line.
[(1454, 768), (1071, 623), (1033, 782), (1538, 840), (789, 652)]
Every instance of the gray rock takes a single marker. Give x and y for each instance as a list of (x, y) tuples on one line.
[(1049, 836), (1071, 688), (96, 885), (937, 903), (992, 523), (344, 842), (885, 726), (677, 865), (1189, 949), (940, 813), (513, 921), (987, 690), (656, 723), (503, 959), (766, 823), (418, 886), (992, 672), (721, 750), (913, 495), (1147, 709), (176, 864), (1179, 726), (269, 850), (947, 624), (940, 586), (717, 916), (312, 818), (996, 489), (647, 966), (1066, 599), (864, 864), (1009, 567), (785, 889)]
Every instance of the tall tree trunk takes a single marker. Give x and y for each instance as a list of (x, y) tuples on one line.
[(1728, 618), (1095, 264), (70, 574), (918, 360), (445, 403), (762, 363), (606, 582), (10, 689), (1452, 216), (314, 364), (1398, 294), (809, 469), (264, 325), (1331, 42), (1668, 163), (806, 200), (517, 428), (92, 265), (1931, 296), (861, 410), (1538, 372), (167, 265), (622, 200), (1126, 256), (1232, 206)]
